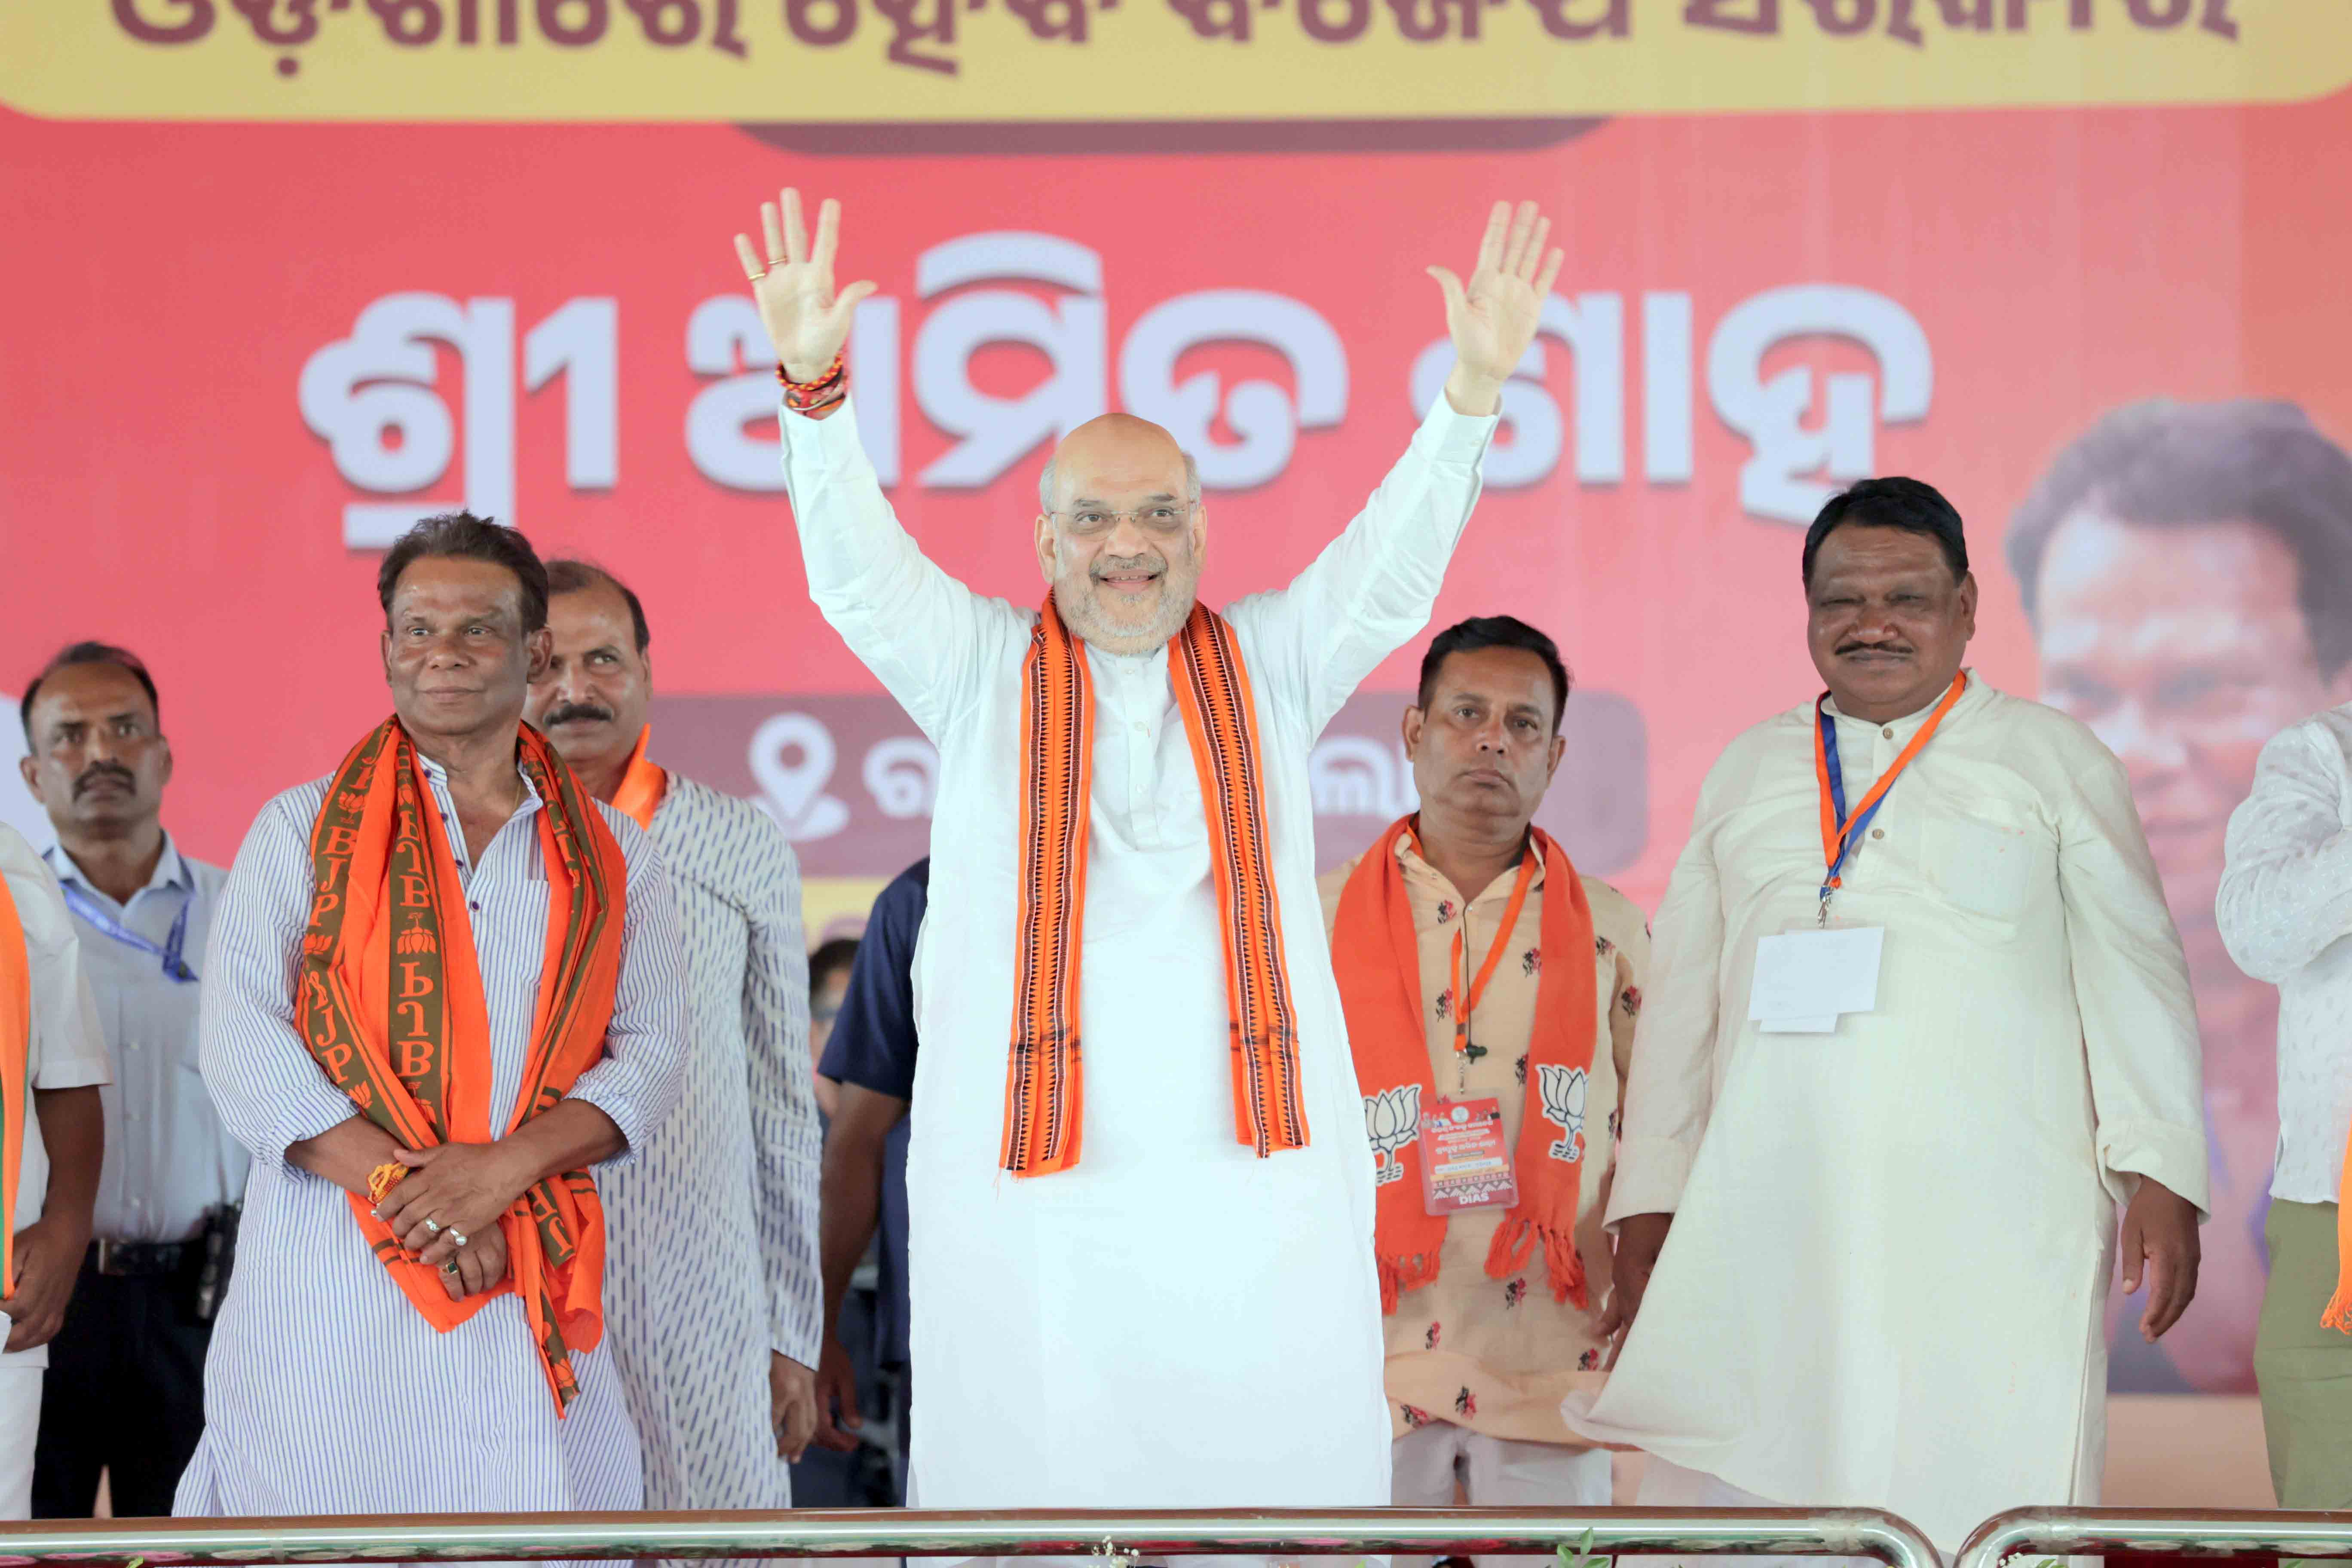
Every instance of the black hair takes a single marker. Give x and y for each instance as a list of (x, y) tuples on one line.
[(1914, 506), (90, 653), (462, 536), (832, 955), (2162, 463), (571, 577), (1493, 631)]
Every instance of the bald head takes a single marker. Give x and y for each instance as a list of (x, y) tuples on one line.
[(1126, 438), (1121, 531)]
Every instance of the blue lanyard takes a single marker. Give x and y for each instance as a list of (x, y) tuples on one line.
[(1846, 834), (1838, 835), (98, 914)]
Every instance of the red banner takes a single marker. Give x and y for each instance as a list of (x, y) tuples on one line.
[(239, 356)]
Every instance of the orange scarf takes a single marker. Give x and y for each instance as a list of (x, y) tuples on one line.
[(1044, 1108), (2338, 1314), (16, 1073), (389, 1003), (642, 785), (1376, 957)]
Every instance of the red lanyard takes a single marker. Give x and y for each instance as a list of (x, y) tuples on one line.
[(1839, 829), (1466, 1002)]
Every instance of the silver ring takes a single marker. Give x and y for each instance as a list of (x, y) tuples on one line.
[(458, 1236), (432, 1228)]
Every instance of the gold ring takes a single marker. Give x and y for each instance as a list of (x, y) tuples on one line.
[(450, 1267), (775, 261)]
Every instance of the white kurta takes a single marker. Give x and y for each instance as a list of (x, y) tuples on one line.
[(1175, 1322), (326, 1392), (1891, 1243), (710, 1234)]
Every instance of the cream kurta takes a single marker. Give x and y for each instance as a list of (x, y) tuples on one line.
[(1175, 1322), (1497, 1356), (1891, 1245)]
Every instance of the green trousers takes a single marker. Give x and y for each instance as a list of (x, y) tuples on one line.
[(2305, 1370)]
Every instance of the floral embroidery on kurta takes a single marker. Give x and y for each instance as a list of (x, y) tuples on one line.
[(1498, 1356)]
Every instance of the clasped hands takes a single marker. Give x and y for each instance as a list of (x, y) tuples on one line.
[(455, 1190), (1492, 318)]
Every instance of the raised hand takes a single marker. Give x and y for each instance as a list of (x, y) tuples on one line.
[(806, 321), (1493, 318)]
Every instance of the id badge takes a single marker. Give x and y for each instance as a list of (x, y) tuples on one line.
[(1465, 1161), (1807, 978)]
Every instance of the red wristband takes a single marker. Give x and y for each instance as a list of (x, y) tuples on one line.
[(811, 397)]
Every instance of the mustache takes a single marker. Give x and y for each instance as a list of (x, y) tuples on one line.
[(1844, 648), (1104, 563), (565, 713), (97, 771)]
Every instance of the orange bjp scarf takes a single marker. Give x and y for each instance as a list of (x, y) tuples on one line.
[(389, 1003), (16, 1072), (642, 785), (1044, 1108), (1376, 957), (2338, 1312)]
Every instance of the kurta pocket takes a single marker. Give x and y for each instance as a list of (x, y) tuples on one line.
[(1988, 867)]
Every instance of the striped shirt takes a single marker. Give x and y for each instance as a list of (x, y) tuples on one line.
[(326, 1392), (711, 1233)]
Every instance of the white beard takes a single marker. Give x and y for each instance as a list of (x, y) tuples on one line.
[(1082, 612)]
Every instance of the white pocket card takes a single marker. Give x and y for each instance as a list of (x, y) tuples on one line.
[(1805, 980)]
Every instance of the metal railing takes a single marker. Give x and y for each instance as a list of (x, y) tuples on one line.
[(2186, 1532), (919, 1533)]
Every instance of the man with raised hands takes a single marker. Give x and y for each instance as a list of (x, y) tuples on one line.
[(1139, 1185)]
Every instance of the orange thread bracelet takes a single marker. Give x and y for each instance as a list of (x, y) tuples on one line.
[(811, 397), (383, 1178)]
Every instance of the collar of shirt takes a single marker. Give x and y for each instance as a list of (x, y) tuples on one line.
[(1419, 870), (171, 871), (438, 776)]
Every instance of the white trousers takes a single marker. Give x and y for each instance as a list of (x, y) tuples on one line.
[(20, 1421), (1493, 1472), (1666, 1484)]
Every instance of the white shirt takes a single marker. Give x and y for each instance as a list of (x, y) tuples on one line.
[(1174, 1322), (2283, 910), (326, 1392), (65, 1049), (1891, 1247), (169, 1161)]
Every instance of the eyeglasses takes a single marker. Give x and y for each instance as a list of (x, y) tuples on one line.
[(1163, 517)]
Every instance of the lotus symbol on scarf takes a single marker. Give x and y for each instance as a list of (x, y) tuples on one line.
[(1392, 1120), (1563, 1106)]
